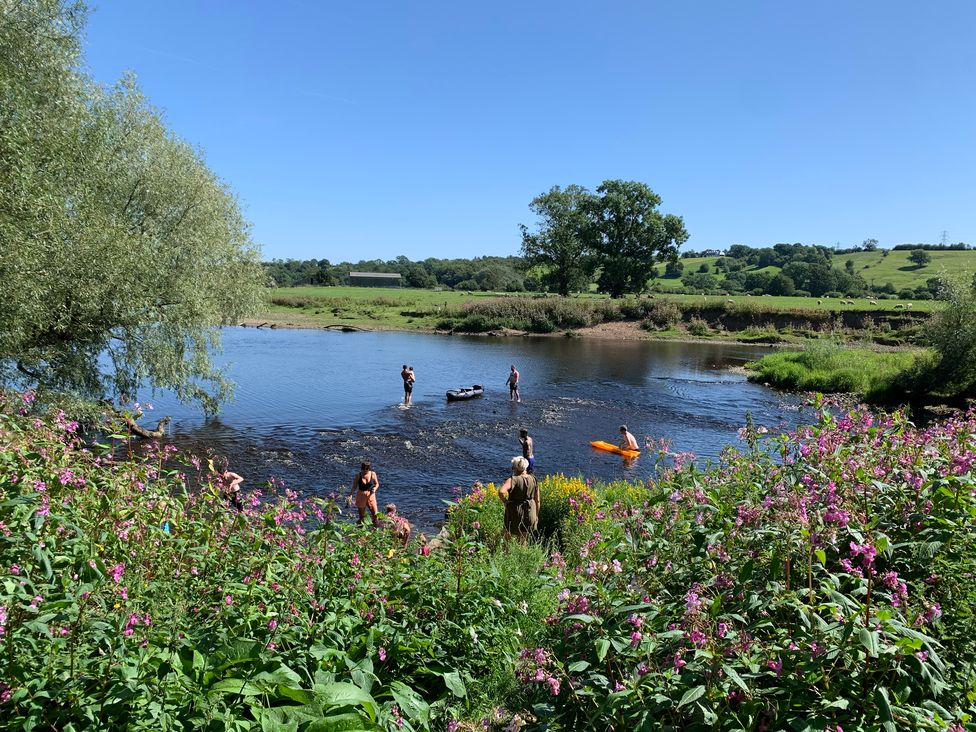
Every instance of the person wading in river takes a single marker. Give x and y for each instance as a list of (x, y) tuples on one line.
[(408, 378), (364, 487), (528, 450), (512, 381)]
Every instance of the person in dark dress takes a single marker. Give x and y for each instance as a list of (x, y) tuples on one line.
[(520, 493)]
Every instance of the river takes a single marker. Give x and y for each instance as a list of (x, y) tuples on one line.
[(310, 405)]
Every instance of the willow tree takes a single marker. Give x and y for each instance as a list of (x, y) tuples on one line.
[(120, 251)]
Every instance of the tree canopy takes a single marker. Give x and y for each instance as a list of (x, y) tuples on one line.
[(120, 251), (632, 235), (618, 230), (562, 244)]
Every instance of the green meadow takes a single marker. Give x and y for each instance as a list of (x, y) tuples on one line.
[(876, 268), (414, 309)]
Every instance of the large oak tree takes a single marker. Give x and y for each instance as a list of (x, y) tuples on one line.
[(561, 246), (632, 235), (120, 251)]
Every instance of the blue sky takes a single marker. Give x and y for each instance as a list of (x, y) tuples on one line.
[(362, 130)]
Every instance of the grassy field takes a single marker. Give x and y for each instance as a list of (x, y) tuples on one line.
[(877, 268), (408, 309), (829, 368)]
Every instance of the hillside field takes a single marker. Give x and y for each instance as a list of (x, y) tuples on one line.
[(877, 268)]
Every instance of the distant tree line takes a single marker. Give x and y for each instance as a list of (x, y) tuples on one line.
[(496, 274)]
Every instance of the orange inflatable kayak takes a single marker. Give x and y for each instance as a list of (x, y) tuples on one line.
[(609, 447)]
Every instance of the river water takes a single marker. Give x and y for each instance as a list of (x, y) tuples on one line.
[(310, 405)]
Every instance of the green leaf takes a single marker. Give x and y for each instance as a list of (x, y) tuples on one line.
[(577, 666), (602, 646), (734, 675), (691, 695), (342, 694), (821, 556), (299, 695), (884, 708), (869, 639), (410, 702), (454, 683), (236, 686), (346, 722)]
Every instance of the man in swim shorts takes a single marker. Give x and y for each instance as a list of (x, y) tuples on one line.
[(512, 381), (408, 378), (528, 450), (627, 440)]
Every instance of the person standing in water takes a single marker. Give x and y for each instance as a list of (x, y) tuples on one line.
[(627, 440), (408, 378), (528, 450), (512, 381), (364, 486)]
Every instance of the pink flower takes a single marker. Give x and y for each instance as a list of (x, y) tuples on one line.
[(272, 624), (382, 653), (228, 600)]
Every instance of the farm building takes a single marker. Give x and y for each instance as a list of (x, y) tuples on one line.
[(374, 279)]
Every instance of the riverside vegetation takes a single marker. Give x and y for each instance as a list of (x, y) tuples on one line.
[(743, 318), (818, 580)]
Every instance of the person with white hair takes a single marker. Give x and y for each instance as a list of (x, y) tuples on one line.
[(520, 494)]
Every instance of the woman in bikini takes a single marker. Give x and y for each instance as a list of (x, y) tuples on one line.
[(364, 487)]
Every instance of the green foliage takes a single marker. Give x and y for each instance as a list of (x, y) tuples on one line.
[(132, 596), (823, 578), (561, 246), (632, 235), (919, 257), (121, 249), (952, 337), (815, 582), (698, 327)]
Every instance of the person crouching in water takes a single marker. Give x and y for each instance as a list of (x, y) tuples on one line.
[(364, 486), (520, 494)]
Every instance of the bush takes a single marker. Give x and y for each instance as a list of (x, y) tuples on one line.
[(775, 591), (663, 314), (698, 327), (133, 599)]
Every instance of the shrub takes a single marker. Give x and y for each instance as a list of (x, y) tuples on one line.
[(776, 591), (564, 503), (664, 314), (698, 327), (134, 600)]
